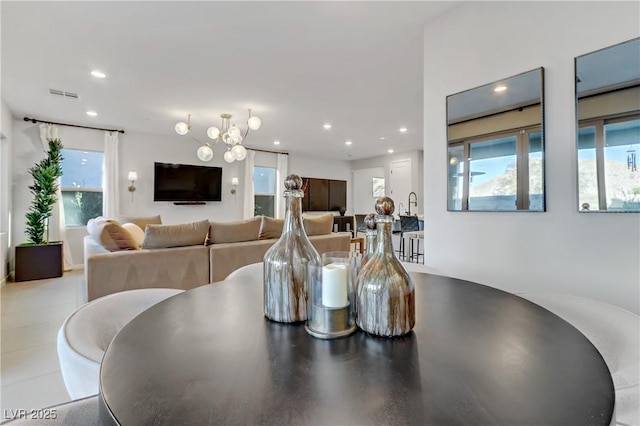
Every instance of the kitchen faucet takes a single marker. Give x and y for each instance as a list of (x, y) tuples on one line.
[(401, 209), (415, 202)]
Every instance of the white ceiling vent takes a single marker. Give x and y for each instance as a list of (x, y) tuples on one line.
[(63, 93)]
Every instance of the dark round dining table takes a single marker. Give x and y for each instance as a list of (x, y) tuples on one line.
[(477, 355)]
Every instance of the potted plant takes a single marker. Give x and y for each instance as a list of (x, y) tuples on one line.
[(40, 258)]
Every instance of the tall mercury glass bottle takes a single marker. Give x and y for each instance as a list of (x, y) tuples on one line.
[(286, 282), (386, 292), (370, 238)]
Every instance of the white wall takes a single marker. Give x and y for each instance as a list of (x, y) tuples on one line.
[(363, 199), (591, 255), (384, 161), (6, 131)]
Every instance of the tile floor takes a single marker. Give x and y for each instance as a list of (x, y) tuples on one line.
[(31, 314)]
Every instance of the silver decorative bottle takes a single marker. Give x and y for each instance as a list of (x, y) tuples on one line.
[(371, 238), (286, 281), (386, 293)]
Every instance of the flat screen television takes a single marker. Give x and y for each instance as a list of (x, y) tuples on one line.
[(183, 182)]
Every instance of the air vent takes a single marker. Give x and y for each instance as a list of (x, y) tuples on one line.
[(63, 93)]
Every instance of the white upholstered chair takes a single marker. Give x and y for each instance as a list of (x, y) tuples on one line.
[(615, 332), (85, 412), (254, 271), (86, 333)]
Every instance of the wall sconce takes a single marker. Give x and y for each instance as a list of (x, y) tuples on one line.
[(234, 185), (133, 177)]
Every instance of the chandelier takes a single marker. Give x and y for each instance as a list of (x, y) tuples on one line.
[(229, 133)]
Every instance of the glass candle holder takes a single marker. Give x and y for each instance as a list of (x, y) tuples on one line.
[(332, 296)]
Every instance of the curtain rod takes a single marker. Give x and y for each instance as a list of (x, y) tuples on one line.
[(270, 152), (34, 121)]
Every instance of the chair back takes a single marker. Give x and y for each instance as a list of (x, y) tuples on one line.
[(409, 223)]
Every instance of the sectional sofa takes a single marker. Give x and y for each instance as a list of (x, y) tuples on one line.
[(185, 256)]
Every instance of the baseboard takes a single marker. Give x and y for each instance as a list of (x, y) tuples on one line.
[(78, 266)]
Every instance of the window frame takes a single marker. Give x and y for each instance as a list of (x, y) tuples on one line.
[(82, 188), (265, 194), (522, 136), (598, 123)]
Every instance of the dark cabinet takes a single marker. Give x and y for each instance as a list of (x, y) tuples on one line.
[(324, 194)]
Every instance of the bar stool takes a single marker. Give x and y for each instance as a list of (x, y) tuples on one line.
[(407, 224)]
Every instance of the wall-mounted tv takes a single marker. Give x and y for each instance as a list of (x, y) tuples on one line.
[(183, 182)]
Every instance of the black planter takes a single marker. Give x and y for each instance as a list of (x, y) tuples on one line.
[(38, 262)]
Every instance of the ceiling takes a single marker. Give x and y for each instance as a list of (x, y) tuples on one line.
[(298, 65)]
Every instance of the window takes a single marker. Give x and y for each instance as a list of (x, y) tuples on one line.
[(81, 185), (505, 172), (264, 182), (608, 164)]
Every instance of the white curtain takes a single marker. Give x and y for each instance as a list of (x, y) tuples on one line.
[(249, 190), (281, 174), (57, 230), (110, 193)]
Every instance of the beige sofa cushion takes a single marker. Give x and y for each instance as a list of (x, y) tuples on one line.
[(271, 228), (235, 231), (317, 224), (111, 235), (180, 235), (141, 221)]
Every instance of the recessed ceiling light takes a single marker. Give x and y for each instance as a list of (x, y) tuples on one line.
[(382, 138), (276, 142), (92, 113), (402, 129), (98, 74), (348, 143), (500, 88), (390, 151), (327, 126)]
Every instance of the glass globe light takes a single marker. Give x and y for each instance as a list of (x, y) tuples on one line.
[(205, 153), (226, 138), (234, 131), (239, 152), (254, 123), (236, 139), (213, 132), (182, 128), (229, 157)]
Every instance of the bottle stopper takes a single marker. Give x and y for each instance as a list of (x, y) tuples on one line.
[(370, 221), (385, 206), (293, 182)]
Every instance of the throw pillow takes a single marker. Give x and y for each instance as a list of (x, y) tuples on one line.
[(135, 231), (235, 231), (271, 228), (180, 235), (317, 224), (111, 235), (141, 221)]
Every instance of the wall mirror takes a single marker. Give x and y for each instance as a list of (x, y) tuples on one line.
[(608, 128), (495, 137)]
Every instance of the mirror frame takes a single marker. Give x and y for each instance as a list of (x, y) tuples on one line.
[(520, 158)]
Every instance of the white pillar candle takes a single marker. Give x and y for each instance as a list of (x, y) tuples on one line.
[(334, 285)]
